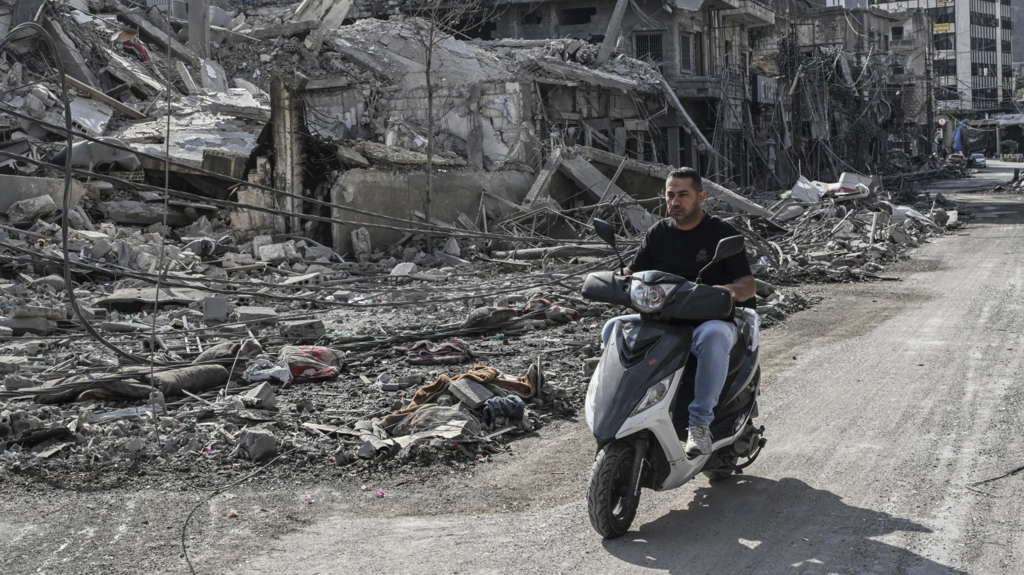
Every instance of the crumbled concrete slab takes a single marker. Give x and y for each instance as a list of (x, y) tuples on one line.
[(304, 330), (11, 363), (29, 325), (215, 310), (259, 444), (39, 311), (276, 253), (470, 393), (263, 315), (26, 211), (262, 397)]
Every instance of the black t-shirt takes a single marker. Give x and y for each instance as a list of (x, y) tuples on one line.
[(669, 249)]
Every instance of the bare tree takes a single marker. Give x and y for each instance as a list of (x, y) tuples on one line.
[(437, 21)]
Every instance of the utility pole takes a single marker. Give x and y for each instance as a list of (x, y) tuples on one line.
[(930, 111)]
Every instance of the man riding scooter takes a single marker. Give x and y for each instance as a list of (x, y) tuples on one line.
[(682, 245)]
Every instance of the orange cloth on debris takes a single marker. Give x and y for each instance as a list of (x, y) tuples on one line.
[(480, 373)]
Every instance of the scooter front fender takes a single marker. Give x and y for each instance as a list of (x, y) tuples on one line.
[(629, 369)]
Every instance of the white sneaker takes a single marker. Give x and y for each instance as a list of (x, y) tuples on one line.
[(698, 441)]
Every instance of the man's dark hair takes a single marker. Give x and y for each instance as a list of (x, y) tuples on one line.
[(683, 173)]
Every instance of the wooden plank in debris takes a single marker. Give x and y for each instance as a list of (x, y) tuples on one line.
[(100, 96), (594, 182), (661, 172), (540, 186)]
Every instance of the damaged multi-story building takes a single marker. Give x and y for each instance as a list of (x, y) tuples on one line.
[(361, 122)]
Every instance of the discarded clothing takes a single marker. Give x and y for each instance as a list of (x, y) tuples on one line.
[(227, 353), (511, 408), (265, 369), (311, 363), (452, 351), (543, 309), (440, 421), (194, 379), (524, 387), (488, 317)]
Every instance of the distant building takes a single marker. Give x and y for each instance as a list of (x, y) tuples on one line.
[(1017, 17), (971, 48)]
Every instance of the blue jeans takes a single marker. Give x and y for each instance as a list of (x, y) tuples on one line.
[(712, 342)]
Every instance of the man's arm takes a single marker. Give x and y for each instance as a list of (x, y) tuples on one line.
[(742, 288), (627, 272)]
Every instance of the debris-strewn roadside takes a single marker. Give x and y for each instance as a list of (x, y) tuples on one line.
[(233, 291)]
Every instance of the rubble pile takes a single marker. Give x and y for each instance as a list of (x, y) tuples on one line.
[(843, 231), (1016, 186), (251, 361), (219, 298)]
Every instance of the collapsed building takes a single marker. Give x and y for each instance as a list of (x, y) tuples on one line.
[(262, 223)]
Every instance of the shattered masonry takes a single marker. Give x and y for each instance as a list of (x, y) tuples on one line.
[(282, 296)]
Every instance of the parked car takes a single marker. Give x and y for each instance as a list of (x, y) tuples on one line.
[(978, 160)]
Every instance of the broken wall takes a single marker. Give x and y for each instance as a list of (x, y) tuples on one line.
[(401, 194), (483, 121)]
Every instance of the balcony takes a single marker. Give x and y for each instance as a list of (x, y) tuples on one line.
[(902, 42), (749, 12)]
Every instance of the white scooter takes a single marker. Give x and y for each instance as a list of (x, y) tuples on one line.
[(637, 402)]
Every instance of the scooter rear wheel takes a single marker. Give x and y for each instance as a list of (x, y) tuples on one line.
[(610, 501)]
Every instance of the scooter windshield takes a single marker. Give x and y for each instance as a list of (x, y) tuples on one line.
[(656, 277)]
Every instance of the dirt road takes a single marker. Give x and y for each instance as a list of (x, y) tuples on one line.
[(882, 406), (879, 419)]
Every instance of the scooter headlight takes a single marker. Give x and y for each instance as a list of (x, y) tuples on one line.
[(647, 298), (655, 394)]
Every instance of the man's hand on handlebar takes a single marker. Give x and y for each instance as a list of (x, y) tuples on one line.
[(742, 289)]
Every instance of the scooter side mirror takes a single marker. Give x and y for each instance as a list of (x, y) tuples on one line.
[(727, 247), (605, 231)]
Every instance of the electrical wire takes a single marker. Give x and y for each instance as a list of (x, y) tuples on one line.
[(65, 218)]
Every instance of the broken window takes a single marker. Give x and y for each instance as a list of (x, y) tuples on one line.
[(944, 15), (529, 18), (698, 54), (648, 47), (943, 41), (575, 16), (686, 53), (946, 67), (471, 28), (897, 32)]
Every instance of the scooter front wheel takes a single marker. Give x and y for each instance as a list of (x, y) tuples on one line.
[(610, 498)]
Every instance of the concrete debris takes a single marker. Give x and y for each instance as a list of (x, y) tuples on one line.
[(26, 211), (284, 279)]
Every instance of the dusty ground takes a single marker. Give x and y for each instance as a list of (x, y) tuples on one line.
[(882, 403)]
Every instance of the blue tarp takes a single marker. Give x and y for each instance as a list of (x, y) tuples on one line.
[(958, 144)]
